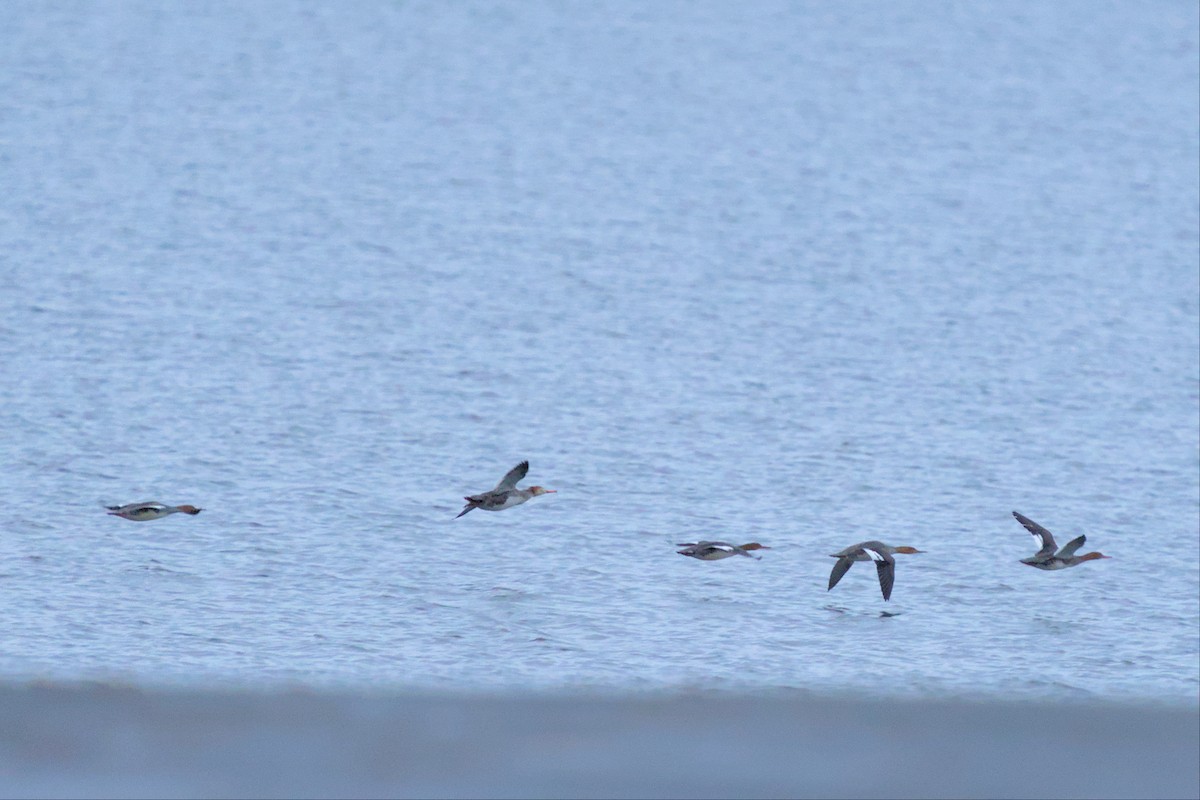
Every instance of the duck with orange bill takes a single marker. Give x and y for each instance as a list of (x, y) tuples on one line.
[(505, 494), (144, 512), (1048, 556), (715, 551), (878, 552)]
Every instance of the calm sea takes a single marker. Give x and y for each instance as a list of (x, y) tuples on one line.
[(798, 273)]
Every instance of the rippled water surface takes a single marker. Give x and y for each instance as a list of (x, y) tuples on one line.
[(800, 273)]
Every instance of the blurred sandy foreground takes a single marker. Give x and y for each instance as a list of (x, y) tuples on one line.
[(95, 740)]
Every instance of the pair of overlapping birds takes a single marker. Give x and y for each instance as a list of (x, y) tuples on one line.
[(506, 495)]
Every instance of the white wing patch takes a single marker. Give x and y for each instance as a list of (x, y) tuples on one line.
[(874, 555)]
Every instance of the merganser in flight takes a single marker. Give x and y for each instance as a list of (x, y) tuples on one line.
[(1045, 557), (143, 512), (506, 494), (715, 551), (878, 552)]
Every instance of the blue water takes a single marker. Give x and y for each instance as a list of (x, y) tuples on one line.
[(800, 273)]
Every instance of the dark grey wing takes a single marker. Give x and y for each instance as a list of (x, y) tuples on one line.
[(885, 565), (492, 499), (1070, 547), (887, 576), (513, 477), (839, 569), (1044, 537)]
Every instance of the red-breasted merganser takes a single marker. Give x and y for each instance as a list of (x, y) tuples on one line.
[(506, 494), (715, 551), (143, 512), (878, 552), (1045, 557)]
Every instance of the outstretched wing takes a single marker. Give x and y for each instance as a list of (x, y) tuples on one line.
[(513, 477), (840, 568), (1044, 537), (885, 565), (887, 576), (1070, 547)]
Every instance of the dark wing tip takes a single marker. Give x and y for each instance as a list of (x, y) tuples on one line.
[(513, 477), (840, 568), (1034, 528), (1027, 523), (887, 576)]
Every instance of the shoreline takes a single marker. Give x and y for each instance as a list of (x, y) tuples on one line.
[(95, 740)]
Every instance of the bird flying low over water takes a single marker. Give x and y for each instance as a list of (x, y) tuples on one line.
[(715, 551), (1046, 557), (144, 512), (878, 552), (506, 494)]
